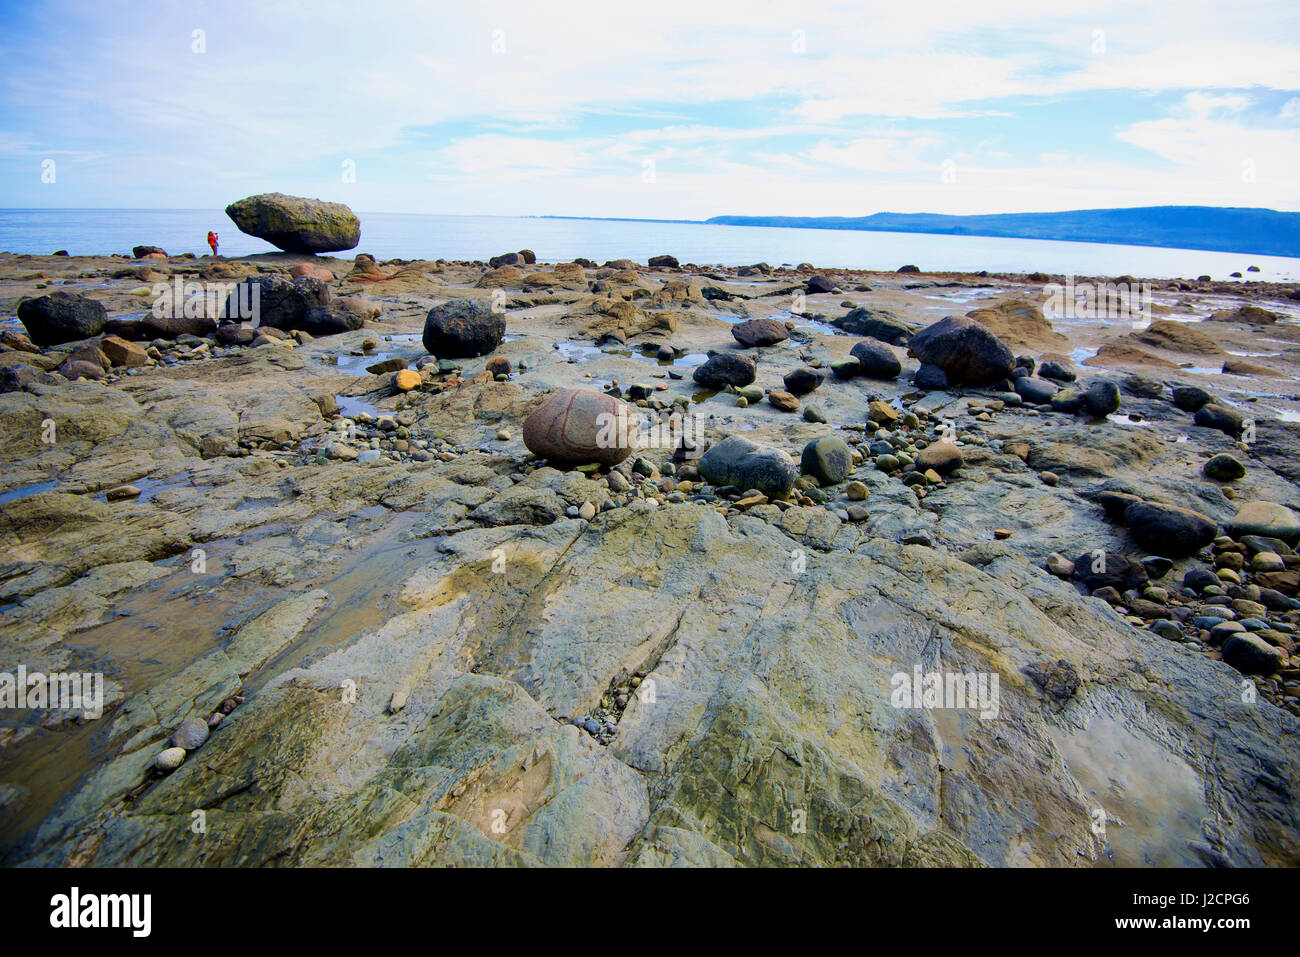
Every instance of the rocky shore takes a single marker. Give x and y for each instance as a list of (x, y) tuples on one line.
[(367, 589)]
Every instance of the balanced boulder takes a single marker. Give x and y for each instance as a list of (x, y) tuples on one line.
[(296, 224)]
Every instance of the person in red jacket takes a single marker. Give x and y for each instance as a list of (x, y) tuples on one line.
[(213, 239)]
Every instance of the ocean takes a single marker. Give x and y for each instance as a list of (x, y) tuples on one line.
[(418, 236)]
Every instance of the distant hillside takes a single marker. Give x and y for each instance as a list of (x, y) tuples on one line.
[(1265, 232)]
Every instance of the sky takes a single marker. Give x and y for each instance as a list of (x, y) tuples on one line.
[(667, 110)]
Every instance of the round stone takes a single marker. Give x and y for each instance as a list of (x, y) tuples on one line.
[(827, 459), (170, 759), (576, 426), (191, 734)]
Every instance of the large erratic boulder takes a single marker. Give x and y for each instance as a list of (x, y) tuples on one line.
[(967, 352), (296, 224), (463, 329)]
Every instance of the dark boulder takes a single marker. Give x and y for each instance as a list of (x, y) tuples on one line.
[(61, 317), (966, 351), (275, 301), (462, 329), (803, 381), (329, 321), (930, 378), (1190, 398), (760, 332), (877, 360), (1101, 569), (1168, 530), (1035, 391), (726, 369), (746, 465), (1059, 371), (1213, 416), (1101, 398), (827, 459)]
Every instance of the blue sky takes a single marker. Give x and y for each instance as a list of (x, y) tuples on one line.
[(664, 110)]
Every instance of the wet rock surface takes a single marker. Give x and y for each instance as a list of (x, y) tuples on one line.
[(364, 623)]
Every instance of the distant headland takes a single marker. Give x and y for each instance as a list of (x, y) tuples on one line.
[(1265, 232)]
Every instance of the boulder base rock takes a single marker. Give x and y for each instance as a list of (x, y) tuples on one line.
[(575, 427), (296, 224)]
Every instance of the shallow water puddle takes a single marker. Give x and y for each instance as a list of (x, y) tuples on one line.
[(351, 406), (1154, 801), (27, 490)]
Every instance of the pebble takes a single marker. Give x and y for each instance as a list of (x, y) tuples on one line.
[(587, 511), (191, 734), (170, 759)]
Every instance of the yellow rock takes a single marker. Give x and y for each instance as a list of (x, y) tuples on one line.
[(406, 380)]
